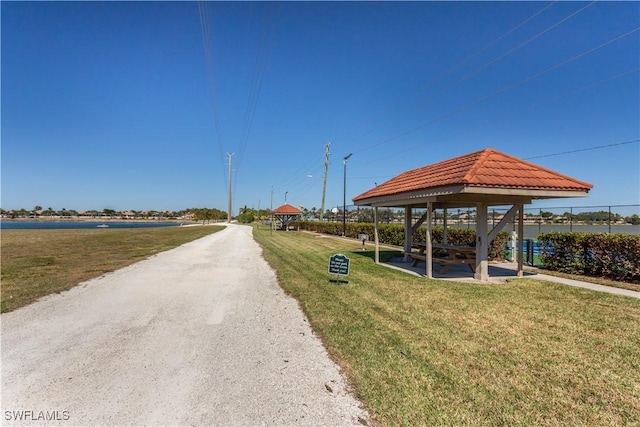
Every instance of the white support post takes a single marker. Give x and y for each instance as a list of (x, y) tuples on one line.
[(520, 239), (428, 250), (375, 235), (408, 235), (482, 243), (445, 237)]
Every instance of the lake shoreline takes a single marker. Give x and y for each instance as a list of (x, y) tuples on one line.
[(94, 219)]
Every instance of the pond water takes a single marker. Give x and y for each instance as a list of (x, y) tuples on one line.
[(28, 225)]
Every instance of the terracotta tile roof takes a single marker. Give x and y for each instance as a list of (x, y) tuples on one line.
[(485, 168), (287, 209)]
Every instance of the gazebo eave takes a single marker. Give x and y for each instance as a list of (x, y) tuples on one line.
[(464, 195)]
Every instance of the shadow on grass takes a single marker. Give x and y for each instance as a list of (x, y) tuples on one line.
[(385, 255)]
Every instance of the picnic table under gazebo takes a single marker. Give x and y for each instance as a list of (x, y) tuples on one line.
[(285, 214), (480, 179)]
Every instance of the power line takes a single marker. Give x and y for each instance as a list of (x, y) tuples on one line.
[(264, 51), (229, 213), (503, 90), (314, 161), (526, 42), (476, 71), (530, 106), (208, 54), (494, 41), (598, 147), (265, 42), (583, 149), (562, 95)]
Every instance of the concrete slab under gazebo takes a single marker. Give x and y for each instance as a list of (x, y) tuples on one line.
[(481, 179), (285, 214)]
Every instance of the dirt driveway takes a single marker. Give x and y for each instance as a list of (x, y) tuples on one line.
[(198, 335)]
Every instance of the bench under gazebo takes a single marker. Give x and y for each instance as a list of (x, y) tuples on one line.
[(480, 179), (285, 214)]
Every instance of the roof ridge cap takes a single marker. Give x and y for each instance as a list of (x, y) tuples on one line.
[(483, 155)]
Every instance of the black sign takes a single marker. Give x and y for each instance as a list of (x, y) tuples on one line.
[(339, 264)]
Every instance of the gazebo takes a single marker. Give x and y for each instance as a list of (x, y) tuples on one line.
[(480, 179), (285, 214)]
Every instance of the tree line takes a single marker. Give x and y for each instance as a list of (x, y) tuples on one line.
[(196, 214), (248, 215)]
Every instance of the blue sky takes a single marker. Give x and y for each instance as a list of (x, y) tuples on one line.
[(135, 105)]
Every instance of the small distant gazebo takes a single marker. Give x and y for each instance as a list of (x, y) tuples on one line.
[(285, 214), (480, 179)]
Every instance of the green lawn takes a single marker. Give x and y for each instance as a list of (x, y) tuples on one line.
[(430, 352), (36, 263)]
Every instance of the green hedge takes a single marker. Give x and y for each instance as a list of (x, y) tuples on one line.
[(393, 234), (611, 256)]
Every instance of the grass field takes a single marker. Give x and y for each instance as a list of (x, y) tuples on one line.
[(429, 352), (36, 263)]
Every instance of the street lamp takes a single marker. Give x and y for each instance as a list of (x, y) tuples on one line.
[(344, 196)]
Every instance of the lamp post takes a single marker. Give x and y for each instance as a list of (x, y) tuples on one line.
[(344, 197)]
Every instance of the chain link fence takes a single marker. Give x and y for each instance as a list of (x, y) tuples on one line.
[(612, 219)]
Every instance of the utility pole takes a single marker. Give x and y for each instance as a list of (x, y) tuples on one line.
[(344, 196), (229, 195), (324, 182)]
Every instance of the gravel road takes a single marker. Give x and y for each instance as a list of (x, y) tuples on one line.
[(198, 335)]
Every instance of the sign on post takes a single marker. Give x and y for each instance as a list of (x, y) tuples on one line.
[(339, 265), (364, 238)]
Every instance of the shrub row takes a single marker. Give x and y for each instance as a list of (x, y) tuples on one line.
[(611, 256), (393, 234)]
